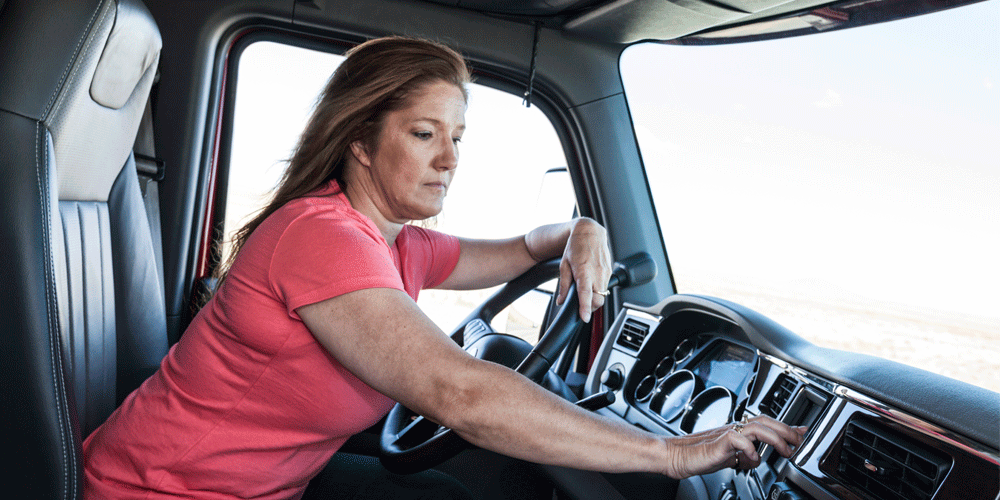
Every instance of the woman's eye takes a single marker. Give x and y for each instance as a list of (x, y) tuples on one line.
[(423, 135), (456, 140)]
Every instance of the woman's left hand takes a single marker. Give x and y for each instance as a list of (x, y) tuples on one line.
[(586, 261)]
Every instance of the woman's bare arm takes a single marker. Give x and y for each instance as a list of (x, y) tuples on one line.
[(382, 337), (581, 242)]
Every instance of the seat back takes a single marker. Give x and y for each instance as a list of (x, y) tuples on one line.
[(81, 301)]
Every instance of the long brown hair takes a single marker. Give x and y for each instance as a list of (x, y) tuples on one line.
[(378, 76)]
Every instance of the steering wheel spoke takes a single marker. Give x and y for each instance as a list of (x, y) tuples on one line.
[(419, 430)]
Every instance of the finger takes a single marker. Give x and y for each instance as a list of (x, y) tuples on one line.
[(597, 301), (585, 290), (743, 444), (605, 263), (764, 433), (791, 435), (565, 278), (743, 462), (736, 464)]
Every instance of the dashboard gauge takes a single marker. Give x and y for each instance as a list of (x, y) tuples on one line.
[(665, 366), (709, 409), (674, 393), (683, 350), (645, 388)]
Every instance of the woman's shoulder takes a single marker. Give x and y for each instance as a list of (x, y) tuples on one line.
[(325, 204), (413, 232), (317, 220)]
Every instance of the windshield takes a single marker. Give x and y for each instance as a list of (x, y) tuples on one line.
[(844, 184)]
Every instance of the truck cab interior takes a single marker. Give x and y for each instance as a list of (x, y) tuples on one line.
[(117, 125)]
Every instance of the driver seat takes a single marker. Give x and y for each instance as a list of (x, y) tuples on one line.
[(81, 301)]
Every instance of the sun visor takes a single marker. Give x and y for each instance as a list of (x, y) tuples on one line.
[(129, 52)]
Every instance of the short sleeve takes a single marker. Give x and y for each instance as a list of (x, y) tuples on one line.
[(325, 254), (435, 253)]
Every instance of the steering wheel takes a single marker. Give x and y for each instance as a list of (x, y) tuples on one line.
[(411, 443)]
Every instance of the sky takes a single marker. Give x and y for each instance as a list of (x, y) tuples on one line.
[(864, 160)]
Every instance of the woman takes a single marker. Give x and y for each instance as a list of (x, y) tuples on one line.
[(314, 332)]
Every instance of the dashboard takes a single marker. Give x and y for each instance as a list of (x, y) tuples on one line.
[(877, 429)]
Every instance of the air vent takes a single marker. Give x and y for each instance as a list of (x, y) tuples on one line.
[(887, 465), (780, 393), (633, 333)]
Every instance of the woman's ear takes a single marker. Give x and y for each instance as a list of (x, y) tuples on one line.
[(360, 153)]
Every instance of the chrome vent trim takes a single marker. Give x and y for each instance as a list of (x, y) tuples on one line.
[(780, 393), (919, 425), (887, 465), (632, 334)]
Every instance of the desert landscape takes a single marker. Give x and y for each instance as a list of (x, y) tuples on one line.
[(961, 347)]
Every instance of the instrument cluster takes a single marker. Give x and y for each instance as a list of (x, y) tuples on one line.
[(696, 387)]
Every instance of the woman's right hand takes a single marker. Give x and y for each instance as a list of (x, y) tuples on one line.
[(586, 261), (731, 446)]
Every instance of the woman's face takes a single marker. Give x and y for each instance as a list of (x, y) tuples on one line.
[(414, 161)]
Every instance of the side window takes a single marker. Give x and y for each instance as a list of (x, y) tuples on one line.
[(511, 177), (275, 94)]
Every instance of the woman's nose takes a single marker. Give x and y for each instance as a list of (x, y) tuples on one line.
[(448, 157)]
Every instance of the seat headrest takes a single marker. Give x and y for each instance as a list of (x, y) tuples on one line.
[(133, 46), (96, 112)]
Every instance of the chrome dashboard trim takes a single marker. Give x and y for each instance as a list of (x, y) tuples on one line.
[(918, 425), (879, 408), (643, 315), (821, 428), (780, 363)]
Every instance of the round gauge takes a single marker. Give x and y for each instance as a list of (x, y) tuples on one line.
[(674, 393), (683, 350), (645, 388), (708, 410), (665, 366)]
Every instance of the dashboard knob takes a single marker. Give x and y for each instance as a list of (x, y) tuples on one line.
[(613, 377)]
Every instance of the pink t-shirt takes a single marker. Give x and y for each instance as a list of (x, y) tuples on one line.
[(248, 404)]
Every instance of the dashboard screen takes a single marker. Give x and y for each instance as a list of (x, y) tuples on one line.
[(727, 365)]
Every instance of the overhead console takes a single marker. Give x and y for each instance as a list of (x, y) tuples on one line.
[(695, 363)]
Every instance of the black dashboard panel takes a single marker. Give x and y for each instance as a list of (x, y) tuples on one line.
[(691, 363)]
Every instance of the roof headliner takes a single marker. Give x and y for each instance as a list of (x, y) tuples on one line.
[(630, 21)]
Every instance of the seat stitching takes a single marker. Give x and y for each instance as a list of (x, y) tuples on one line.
[(76, 51), (53, 340), (83, 408), (72, 78), (72, 334), (105, 320)]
